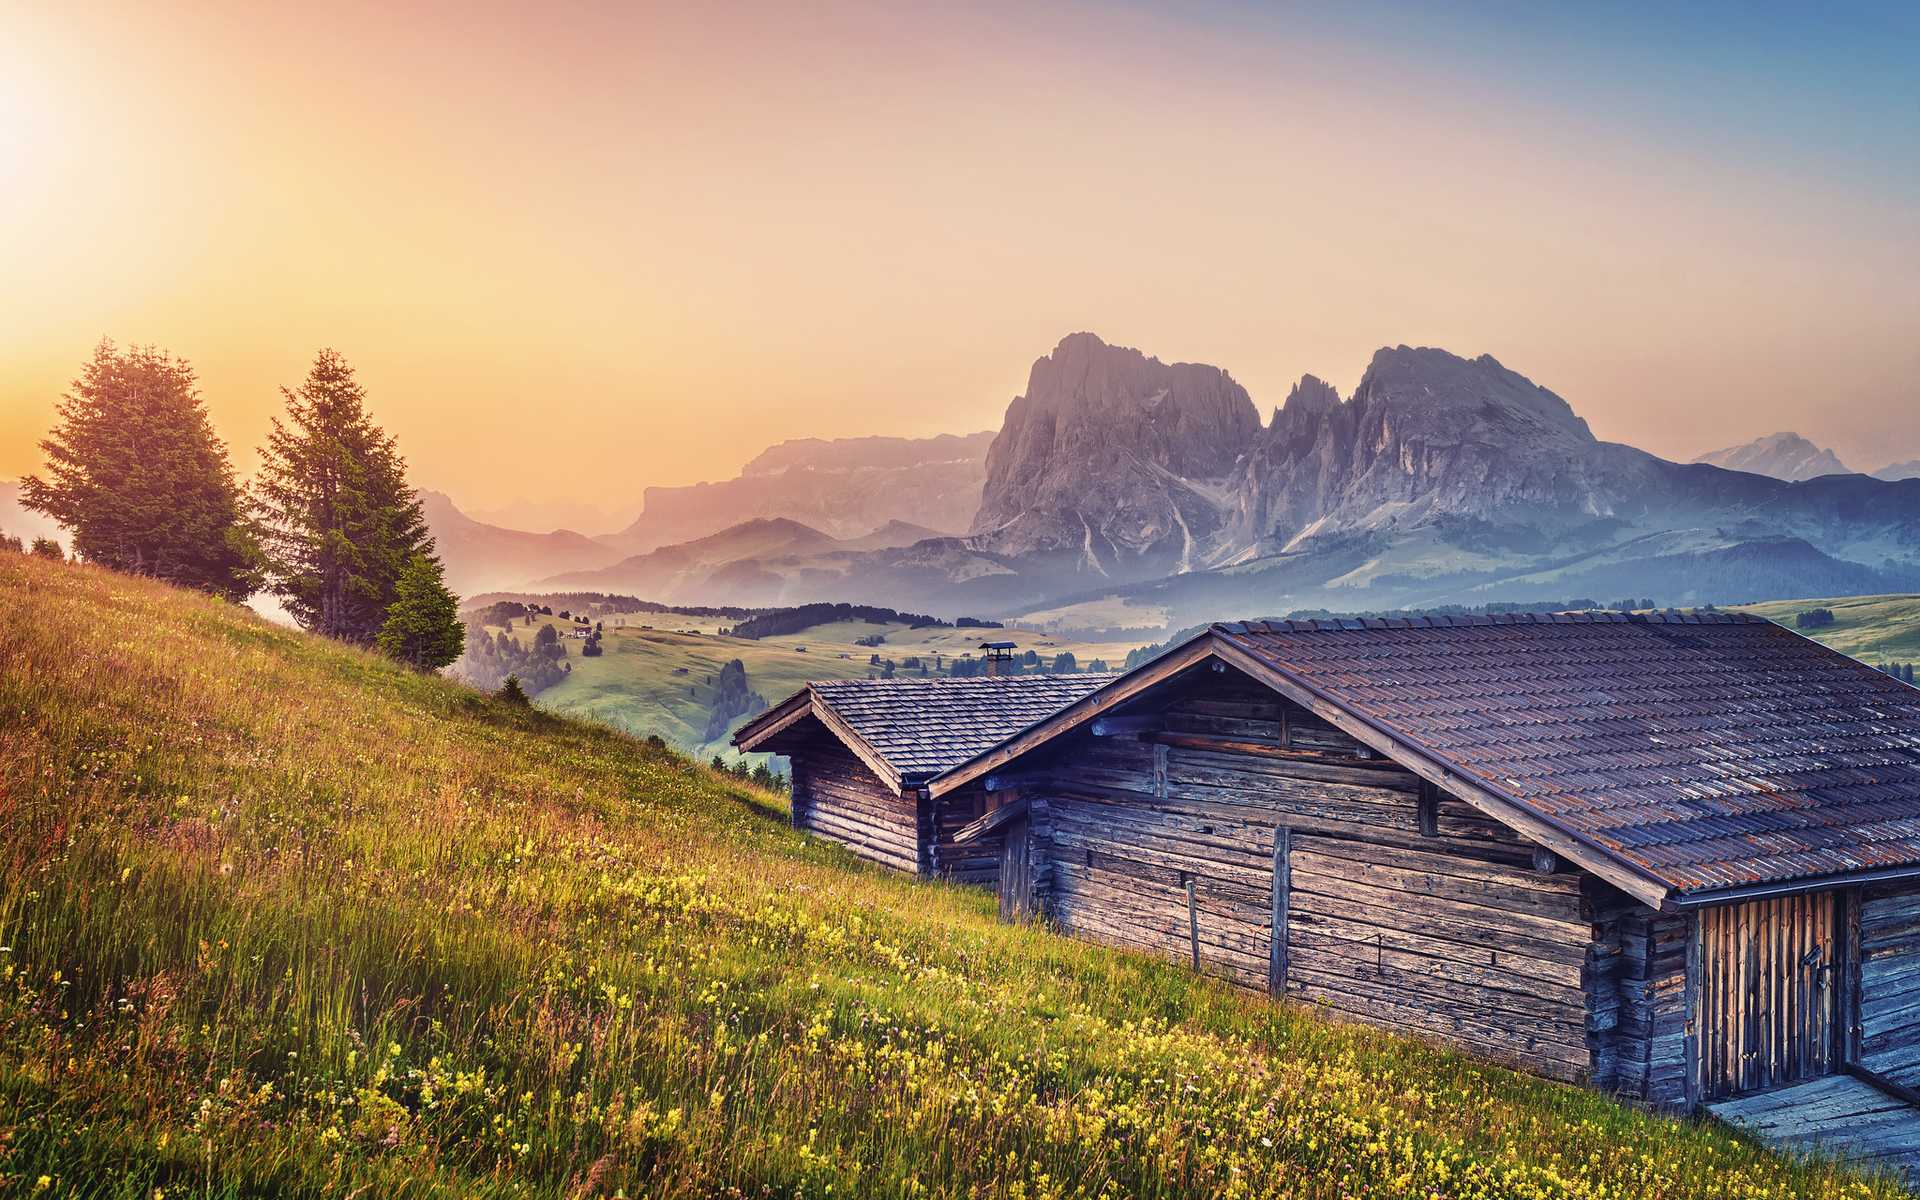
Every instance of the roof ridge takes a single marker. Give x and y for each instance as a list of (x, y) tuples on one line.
[(1589, 616)]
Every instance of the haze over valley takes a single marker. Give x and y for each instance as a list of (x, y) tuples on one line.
[(1124, 492)]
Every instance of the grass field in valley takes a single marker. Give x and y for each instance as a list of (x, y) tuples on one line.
[(1873, 629), (633, 685), (282, 919)]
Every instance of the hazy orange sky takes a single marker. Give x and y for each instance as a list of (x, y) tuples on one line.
[(576, 251)]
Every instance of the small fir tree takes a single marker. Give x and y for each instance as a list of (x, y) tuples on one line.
[(512, 693), (135, 471), (48, 548), (423, 627)]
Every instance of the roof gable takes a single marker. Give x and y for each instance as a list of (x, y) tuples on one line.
[(910, 730)]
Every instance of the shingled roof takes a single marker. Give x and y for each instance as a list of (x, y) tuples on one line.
[(1707, 750), (1701, 752), (918, 728)]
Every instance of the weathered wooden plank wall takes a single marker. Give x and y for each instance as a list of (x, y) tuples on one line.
[(969, 862), (838, 797), (1449, 935), (1637, 992), (1889, 983)]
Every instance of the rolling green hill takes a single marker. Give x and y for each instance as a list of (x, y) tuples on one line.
[(634, 686), (278, 918), (1874, 629)]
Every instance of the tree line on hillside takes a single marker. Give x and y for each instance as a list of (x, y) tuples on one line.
[(780, 621), (137, 475), (612, 602)]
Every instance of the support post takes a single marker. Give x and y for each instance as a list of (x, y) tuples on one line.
[(1193, 921), (1277, 933)]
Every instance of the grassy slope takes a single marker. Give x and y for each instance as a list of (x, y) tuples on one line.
[(1874, 629), (282, 919), (632, 686)]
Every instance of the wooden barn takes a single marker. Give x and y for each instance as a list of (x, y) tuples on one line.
[(863, 749), (1676, 857)]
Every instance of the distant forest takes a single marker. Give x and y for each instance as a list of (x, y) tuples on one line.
[(780, 621), (607, 602)]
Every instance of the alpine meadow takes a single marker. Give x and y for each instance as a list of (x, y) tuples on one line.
[(475, 950)]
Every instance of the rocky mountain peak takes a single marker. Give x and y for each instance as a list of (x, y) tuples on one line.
[(1431, 382), (1785, 455), (1103, 461)]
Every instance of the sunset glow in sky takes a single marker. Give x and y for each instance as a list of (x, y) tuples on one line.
[(576, 251)]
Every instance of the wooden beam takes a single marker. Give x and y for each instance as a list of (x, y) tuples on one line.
[(1644, 888), (1427, 809), (1126, 726), (1193, 921), (1220, 745), (1282, 901), (989, 821), (1014, 779)]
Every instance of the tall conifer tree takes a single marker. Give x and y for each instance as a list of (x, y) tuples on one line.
[(339, 521), (137, 474)]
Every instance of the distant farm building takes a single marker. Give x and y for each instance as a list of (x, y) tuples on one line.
[(1674, 857)]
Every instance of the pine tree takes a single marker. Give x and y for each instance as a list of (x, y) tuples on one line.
[(136, 472), (340, 522), (423, 627)]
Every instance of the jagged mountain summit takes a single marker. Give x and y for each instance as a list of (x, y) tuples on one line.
[(1114, 464), (1783, 455), (1441, 479)]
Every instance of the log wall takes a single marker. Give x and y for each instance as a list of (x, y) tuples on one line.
[(1448, 934), (1639, 1001), (976, 862), (836, 796), (1889, 984)]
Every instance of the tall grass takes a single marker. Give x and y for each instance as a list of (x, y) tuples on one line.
[(282, 919)]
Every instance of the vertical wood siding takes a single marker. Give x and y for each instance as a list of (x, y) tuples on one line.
[(1889, 984), (1767, 980)]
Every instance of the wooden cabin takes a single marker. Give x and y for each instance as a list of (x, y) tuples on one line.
[(1672, 856), (862, 750)]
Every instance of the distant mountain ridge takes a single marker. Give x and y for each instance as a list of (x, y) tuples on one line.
[(480, 557), (759, 562), (1785, 456), (845, 487), (1440, 479)]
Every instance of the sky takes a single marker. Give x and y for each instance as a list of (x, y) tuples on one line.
[(575, 251)]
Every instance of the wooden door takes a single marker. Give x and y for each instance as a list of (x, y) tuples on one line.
[(1765, 1010), (1016, 872)]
